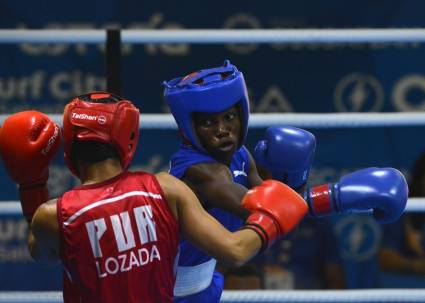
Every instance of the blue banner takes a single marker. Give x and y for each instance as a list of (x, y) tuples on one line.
[(17, 269), (283, 78)]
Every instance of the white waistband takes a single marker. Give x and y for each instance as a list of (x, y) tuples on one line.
[(193, 279)]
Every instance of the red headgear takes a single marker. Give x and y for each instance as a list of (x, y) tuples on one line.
[(115, 123)]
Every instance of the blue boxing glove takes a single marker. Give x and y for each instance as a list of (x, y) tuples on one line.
[(287, 153), (383, 190)]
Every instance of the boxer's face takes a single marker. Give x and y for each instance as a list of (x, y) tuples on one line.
[(219, 133)]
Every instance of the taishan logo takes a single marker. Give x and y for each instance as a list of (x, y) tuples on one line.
[(84, 117), (100, 119), (51, 141)]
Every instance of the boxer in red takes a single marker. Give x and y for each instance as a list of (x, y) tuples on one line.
[(117, 233)]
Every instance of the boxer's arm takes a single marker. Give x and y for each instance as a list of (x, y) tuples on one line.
[(202, 230), (43, 236), (214, 186), (255, 176)]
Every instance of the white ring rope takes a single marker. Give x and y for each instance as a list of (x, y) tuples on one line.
[(217, 36), (289, 296), (359, 295), (14, 207), (327, 120), (31, 296)]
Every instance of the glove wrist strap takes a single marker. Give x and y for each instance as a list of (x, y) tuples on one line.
[(320, 200), (31, 197), (264, 226)]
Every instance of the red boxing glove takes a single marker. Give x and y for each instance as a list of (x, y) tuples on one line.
[(28, 141), (275, 210)]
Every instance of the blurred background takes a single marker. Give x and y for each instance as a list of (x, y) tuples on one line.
[(351, 251)]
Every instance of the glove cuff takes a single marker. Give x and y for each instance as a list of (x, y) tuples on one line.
[(40, 181), (321, 200), (264, 226), (31, 197)]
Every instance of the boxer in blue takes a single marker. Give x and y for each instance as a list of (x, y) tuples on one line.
[(211, 108)]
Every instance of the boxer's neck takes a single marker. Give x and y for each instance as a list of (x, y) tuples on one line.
[(100, 171)]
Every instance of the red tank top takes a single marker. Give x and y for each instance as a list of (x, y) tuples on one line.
[(119, 241)]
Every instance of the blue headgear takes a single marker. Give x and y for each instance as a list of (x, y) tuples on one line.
[(210, 91)]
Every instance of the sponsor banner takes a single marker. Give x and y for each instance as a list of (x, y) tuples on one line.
[(18, 270), (282, 78)]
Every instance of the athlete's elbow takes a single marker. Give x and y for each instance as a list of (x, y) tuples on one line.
[(238, 254), (41, 255), (238, 262), (233, 260), (32, 248)]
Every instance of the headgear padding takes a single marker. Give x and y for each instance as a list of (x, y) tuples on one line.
[(86, 118), (210, 91)]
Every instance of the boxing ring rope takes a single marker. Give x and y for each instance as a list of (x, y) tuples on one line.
[(326, 120), (14, 207), (218, 36), (251, 296), (359, 295)]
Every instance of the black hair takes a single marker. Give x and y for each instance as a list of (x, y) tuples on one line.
[(90, 152)]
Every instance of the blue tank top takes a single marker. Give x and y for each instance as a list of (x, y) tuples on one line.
[(186, 157)]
